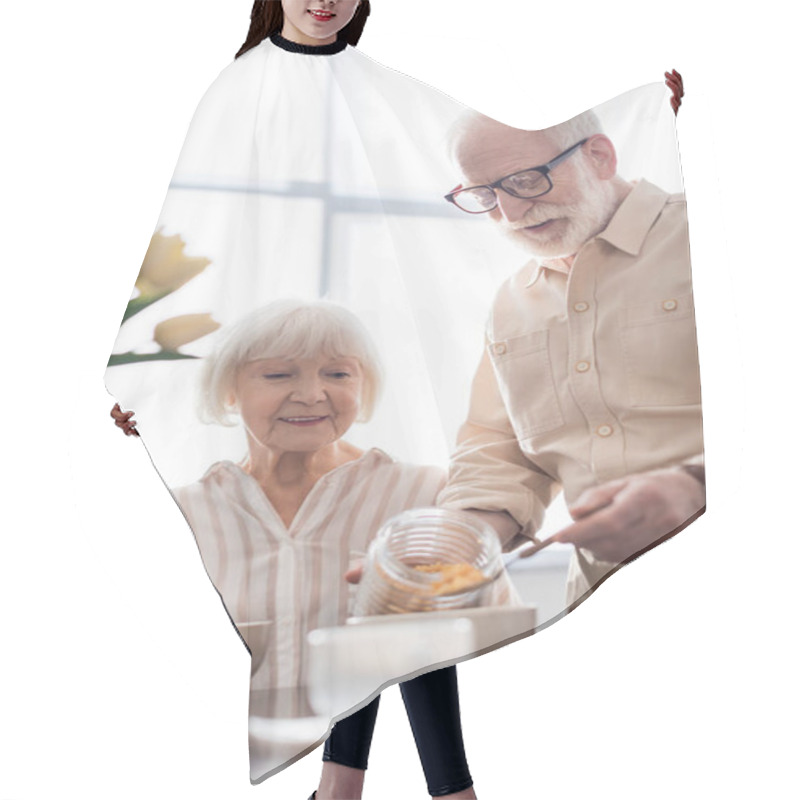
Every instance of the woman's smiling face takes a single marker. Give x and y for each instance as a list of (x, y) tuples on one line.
[(299, 405), (316, 22)]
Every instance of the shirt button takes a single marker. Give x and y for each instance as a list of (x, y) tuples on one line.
[(605, 430), (581, 306), (583, 366), (669, 305), (500, 349)]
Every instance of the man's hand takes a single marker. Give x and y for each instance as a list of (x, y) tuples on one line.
[(124, 420), (622, 518), (675, 83)]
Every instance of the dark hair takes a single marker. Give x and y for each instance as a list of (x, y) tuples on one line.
[(266, 18)]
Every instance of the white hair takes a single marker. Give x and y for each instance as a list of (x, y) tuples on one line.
[(287, 329), (568, 133), (563, 135)]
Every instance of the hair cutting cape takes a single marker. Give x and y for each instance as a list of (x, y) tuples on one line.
[(316, 173)]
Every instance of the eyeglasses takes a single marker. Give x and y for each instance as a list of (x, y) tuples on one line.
[(527, 184)]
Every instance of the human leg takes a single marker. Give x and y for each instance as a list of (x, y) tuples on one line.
[(433, 710), (345, 755)]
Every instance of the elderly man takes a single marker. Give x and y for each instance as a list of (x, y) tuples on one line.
[(589, 379)]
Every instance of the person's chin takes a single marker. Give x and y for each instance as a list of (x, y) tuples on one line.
[(305, 444), (539, 244), (306, 437)]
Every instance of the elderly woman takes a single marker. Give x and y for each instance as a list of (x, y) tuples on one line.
[(276, 530)]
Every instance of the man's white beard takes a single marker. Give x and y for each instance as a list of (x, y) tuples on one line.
[(586, 218)]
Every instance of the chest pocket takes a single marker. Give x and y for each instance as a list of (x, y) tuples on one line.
[(525, 377), (659, 344)]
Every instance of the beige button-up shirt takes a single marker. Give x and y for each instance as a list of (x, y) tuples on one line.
[(590, 373)]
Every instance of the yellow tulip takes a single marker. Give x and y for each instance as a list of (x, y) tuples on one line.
[(178, 331), (165, 267)]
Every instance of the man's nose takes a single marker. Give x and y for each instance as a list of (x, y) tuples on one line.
[(512, 208)]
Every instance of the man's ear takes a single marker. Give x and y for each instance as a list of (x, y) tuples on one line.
[(602, 156)]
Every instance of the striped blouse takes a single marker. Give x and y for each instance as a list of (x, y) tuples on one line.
[(278, 584)]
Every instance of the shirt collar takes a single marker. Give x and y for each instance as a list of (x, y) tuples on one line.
[(627, 229), (367, 459), (309, 49), (538, 267), (632, 222)]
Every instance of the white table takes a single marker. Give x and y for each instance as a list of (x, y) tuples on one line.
[(349, 664)]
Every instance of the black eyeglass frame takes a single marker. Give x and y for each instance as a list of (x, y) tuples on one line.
[(544, 170)]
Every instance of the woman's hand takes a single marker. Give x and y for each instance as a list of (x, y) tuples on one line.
[(675, 83), (355, 572), (124, 420)]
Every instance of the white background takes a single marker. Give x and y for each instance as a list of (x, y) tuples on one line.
[(120, 675)]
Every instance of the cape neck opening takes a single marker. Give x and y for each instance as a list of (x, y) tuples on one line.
[(308, 49)]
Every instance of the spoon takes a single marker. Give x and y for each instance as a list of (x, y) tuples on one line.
[(526, 551)]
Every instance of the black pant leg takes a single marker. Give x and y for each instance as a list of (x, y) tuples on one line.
[(351, 738), (433, 710)]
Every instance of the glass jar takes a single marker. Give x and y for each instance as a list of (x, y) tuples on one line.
[(400, 574)]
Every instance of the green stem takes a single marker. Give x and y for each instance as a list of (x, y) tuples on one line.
[(134, 358), (140, 304)]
